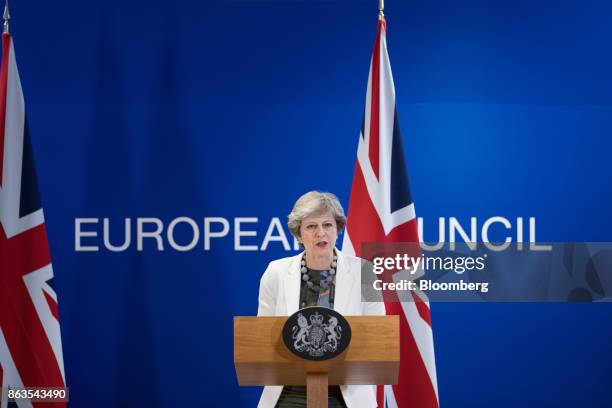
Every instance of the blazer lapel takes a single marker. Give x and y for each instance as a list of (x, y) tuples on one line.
[(344, 284), (292, 285)]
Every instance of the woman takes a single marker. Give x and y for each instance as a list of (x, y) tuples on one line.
[(319, 276)]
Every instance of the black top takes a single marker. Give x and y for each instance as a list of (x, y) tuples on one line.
[(309, 297), (294, 396)]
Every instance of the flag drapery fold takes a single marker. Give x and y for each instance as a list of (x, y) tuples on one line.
[(381, 210), (30, 342)]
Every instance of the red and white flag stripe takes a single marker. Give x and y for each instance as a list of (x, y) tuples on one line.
[(30, 342), (381, 210)]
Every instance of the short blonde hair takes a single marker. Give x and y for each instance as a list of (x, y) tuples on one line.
[(311, 203)]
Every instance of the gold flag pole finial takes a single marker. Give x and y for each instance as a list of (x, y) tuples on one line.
[(381, 8), (6, 17)]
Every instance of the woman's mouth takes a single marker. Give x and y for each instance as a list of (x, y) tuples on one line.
[(322, 244)]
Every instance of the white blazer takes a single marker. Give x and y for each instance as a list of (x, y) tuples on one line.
[(279, 295)]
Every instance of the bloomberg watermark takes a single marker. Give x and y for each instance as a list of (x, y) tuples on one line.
[(567, 271)]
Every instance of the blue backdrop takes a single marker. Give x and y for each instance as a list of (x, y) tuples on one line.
[(233, 109)]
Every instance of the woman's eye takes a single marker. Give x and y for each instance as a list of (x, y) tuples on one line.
[(310, 227), (327, 225)]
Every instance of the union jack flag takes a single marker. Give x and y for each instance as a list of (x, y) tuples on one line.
[(381, 210), (30, 343)]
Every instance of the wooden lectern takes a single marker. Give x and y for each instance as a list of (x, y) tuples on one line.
[(261, 357)]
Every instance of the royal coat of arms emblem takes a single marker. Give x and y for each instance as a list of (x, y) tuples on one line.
[(317, 333)]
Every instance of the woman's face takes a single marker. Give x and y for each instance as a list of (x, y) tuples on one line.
[(319, 233)]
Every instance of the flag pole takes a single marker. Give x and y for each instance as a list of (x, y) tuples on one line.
[(7, 16), (381, 8)]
